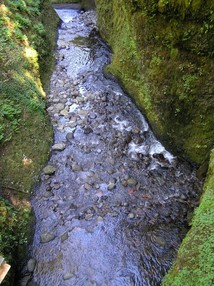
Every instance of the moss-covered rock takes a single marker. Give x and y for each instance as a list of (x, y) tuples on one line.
[(195, 261), (163, 55)]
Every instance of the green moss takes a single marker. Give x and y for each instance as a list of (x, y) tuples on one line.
[(25, 130), (195, 262), (164, 60)]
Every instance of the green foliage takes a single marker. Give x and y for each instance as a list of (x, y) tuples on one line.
[(39, 28), (10, 59), (24, 128), (13, 228), (9, 119), (22, 22)]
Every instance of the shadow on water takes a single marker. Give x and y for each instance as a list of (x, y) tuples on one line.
[(112, 204)]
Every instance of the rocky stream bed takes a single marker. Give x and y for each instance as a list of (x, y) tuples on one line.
[(112, 204)]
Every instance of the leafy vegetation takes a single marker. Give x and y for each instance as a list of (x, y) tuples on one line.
[(13, 228), (27, 39)]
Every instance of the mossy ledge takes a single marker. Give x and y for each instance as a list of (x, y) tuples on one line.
[(195, 262), (27, 42), (163, 56)]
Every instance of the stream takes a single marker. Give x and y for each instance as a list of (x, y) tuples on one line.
[(112, 203)]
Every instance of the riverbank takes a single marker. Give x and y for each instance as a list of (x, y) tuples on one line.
[(27, 37), (163, 56)]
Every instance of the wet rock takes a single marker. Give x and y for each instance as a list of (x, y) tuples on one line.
[(64, 237), (124, 183), (132, 182), (47, 237), (68, 276), (75, 167), (58, 147), (70, 136), (31, 264), (47, 194), (24, 281), (64, 112), (92, 115), (159, 240), (87, 186), (89, 216), (111, 186), (59, 107), (88, 130), (131, 215), (72, 124), (83, 112), (49, 170), (56, 185), (114, 214), (100, 219)]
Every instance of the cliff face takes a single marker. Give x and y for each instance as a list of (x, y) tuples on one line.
[(163, 55), (27, 42)]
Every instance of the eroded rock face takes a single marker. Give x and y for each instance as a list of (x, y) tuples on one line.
[(113, 211), (163, 55)]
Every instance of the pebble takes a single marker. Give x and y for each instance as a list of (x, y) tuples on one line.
[(92, 115), (72, 124), (49, 170), (83, 112), (64, 112), (70, 136), (88, 130), (59, 107), (111, 186), (132, 182), (124, 183), (114, 214), (47, 237), (64, 237), (131, 215), (87, 186), (100, 219), (68, 276), (58, 147), (75, 167)]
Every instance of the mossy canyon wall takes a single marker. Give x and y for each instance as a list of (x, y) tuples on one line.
[(163, 55), (28, 31)]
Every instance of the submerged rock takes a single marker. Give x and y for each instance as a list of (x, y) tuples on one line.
[(31, 264), (49, 170), (47, 237), (59, 146)]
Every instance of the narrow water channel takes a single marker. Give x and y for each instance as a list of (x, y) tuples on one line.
[(112, 204)]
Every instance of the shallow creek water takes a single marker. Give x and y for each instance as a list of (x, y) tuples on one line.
[(111, 206)]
